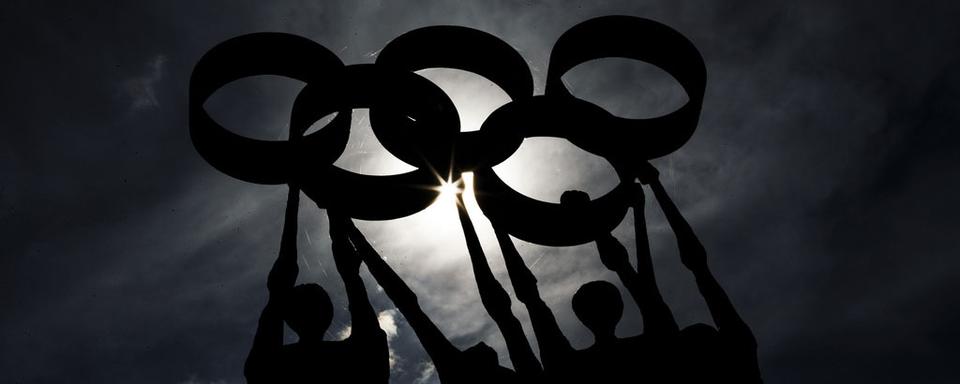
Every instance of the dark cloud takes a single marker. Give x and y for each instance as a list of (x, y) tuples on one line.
[(822, 180)]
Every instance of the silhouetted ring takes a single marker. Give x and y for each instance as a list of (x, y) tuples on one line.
[(470, 50), (633, 140), (261, 161), (407, 103), (538, 221)]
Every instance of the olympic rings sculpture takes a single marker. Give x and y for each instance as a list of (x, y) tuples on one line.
[(418, 123)]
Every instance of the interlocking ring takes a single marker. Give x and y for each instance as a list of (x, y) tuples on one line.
[(472, 51), (416, 121), (634, 140), (420, 120), (260, 161)]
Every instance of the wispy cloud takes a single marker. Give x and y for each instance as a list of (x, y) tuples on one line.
[(388, 324), (427, 374), (194, 380), (141, 90)]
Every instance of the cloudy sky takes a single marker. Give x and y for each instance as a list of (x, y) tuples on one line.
[(821, 180)]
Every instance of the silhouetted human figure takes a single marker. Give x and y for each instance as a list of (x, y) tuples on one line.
[(727, 353), (477, 364), (306, 308), (599, 307)]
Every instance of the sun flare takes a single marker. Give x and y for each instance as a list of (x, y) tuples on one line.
[(448, 189)]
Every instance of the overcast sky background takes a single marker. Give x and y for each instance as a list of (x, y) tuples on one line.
[(822, 180)]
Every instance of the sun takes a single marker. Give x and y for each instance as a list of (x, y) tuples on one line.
[(448, 188)]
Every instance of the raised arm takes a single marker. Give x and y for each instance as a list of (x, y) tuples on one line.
[(441, 351), (363, 319), (642, 284), (496, 300), (283, 276), (555, 349), (694, 257), (268, 341)]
